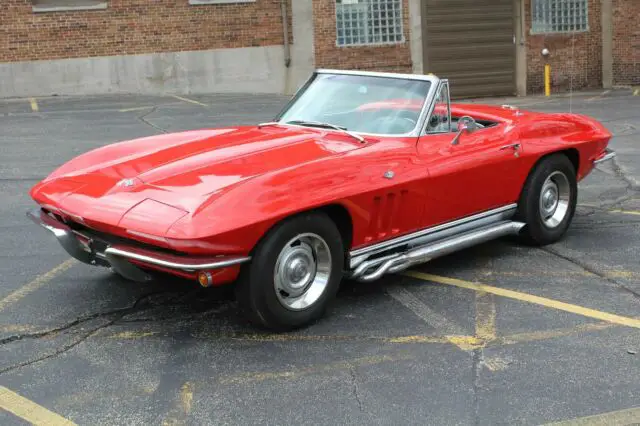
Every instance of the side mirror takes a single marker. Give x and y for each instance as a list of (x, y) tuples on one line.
[(466, 124)]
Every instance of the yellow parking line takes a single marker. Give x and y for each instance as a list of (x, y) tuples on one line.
[(525, 297), (181, 410), (454, 333), (133, 334), (633, 212), (40, 281), (636, 92), (186, 397), (551, 334), (34, 104), (134, 109), (29, 410), (420, 338), (600, 96), (417, 339), (613, 273), (621, 417), (274, 337), (485, 316), (332, 367), (189, 100), (16, 328), (495, 363)]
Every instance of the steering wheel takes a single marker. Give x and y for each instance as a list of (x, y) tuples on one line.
[(382, 122), (469, 119)]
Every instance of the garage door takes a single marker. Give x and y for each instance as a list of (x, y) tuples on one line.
[(471, 42)]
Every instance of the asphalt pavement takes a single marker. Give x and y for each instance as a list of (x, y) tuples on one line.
[(499, 334)]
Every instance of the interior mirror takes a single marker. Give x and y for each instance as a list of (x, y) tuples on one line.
[(466, 124)]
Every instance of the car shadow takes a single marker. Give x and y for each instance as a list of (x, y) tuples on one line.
[(171, 302)]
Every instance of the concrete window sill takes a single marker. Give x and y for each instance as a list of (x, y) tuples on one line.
[(52, 6), (198, 2)]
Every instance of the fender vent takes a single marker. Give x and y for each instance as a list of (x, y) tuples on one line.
[(387, 213)]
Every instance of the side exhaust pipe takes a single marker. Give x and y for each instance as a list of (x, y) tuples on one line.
[(401, 261)]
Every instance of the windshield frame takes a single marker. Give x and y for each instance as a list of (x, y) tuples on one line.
[(424, 112)]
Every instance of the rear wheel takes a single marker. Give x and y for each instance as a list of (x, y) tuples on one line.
[(548, 200), (294, 273)]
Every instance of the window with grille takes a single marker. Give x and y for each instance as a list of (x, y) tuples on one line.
[(559, 16), (366, 22)]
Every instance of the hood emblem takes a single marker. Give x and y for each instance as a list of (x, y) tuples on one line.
[(389, 174), (126, 183)]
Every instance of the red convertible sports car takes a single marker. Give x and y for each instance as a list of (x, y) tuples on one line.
[(360, 175)]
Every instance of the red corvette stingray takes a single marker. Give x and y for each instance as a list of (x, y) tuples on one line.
[(360, 175)]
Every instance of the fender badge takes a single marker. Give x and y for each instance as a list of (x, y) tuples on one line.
[(389, 174), (126, 183)]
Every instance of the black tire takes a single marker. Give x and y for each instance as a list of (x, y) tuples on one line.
[(537, 230), (256, 286)]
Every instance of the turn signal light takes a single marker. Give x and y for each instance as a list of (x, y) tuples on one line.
[(205, 279)]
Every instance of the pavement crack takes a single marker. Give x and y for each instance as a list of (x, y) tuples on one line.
[(356, 393), (58, 351), (620, 174), (188, 316), (143, 118), (590, 269), (117, 314), (53, 331), (476, 365)]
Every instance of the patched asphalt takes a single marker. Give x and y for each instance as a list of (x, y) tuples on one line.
[(96, 349)]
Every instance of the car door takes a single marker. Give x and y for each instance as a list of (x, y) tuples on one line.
[(475, 173)]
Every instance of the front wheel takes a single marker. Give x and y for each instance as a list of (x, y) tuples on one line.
[(548, 200), (294, 273)]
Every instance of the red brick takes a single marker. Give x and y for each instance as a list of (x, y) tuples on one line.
[(143, 26), (626, 42)]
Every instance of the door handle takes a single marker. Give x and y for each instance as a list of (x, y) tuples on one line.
[(515, 146)]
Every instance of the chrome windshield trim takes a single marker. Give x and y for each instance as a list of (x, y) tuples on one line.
[(408, 237), (423, 130), (399, 76), (420, 122)]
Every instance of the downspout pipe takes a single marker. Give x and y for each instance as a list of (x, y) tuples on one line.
[(285, 29)]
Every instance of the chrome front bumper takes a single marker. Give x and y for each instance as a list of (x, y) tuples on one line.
[(608, 155), (119, 256)]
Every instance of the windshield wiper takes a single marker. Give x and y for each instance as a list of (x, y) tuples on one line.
[(326, 126)]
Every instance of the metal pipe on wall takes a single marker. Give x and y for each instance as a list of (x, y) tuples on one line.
[(285, 29)]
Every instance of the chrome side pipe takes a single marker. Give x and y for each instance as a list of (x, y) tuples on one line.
[(422, 254)]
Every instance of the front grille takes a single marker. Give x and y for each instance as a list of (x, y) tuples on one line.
[(101, 240)]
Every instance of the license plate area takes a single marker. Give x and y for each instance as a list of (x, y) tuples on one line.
[(85, 243)]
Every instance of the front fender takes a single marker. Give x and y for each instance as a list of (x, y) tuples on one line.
[(235, 220)]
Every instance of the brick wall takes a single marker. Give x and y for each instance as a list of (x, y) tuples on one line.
[(135, 26), (391, 58), (575, 57), (626, 42)]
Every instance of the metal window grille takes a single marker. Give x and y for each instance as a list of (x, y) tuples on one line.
[(365, 22), (555, 16)]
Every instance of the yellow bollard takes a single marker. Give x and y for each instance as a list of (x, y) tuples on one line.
[(547, 80)]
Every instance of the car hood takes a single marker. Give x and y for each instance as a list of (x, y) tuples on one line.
[(173, 174)]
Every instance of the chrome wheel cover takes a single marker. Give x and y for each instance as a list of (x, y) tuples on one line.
[(555, 197), (302, 271)]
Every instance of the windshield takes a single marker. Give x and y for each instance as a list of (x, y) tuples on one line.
[(367, 104)]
